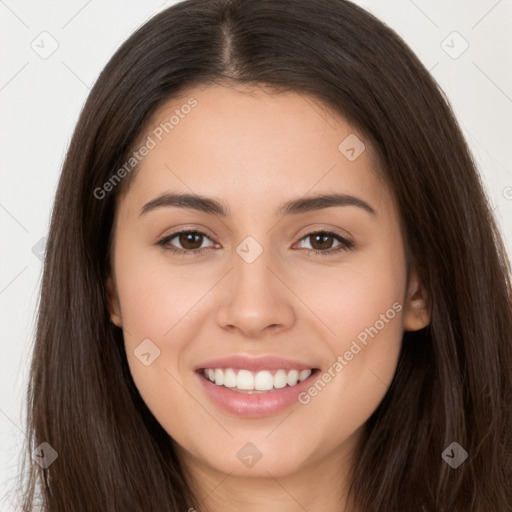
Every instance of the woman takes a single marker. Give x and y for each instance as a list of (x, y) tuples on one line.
[(272, 281)]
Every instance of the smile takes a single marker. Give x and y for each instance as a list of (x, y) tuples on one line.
[(246, 381)]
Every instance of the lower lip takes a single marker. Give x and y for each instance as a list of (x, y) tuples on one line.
[(254, 405)]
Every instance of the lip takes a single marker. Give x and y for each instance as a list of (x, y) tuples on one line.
[(255, 363), (254, 405)]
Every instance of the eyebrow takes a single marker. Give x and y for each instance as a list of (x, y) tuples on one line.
[(292, 207)]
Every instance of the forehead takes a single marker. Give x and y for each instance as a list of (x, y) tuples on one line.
[(252, 144)]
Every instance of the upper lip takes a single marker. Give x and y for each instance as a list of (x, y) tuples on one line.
[(254, 363)]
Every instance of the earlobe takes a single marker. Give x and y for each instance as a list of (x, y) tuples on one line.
[(113, 302), (417, 313)]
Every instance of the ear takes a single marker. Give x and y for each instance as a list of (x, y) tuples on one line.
[(113, 302), (417, 313)]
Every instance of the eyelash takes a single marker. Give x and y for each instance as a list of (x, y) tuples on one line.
[(344, 243)]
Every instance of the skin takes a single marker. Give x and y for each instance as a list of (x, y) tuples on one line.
[(255, 150)]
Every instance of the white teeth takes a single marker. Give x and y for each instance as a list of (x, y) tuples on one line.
[(219, 377), (292, 378), (304, 374), (263, 380), (245, 380), (230, 378), (280, 379)]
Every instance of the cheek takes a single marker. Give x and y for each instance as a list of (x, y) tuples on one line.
[(361, 299), (353, 384), (370, 301), (364, 312), (156, 302), (154, 294)]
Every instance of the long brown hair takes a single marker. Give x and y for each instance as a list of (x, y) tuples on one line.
[(454, 378)]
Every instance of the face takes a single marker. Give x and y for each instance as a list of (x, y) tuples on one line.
[(294, 305)]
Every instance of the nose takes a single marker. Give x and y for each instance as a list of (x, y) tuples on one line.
[(256, 300)]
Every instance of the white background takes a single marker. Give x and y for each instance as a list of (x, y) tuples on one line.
[(41, 99)]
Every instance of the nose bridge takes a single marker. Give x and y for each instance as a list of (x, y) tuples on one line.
[(251, 275), (254, 300)]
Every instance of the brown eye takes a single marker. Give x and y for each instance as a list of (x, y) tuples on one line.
[(185, 242), (326, 243), (321, 241), (190, 240)]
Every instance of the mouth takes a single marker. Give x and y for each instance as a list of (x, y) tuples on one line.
[(241, 380), (255, 393), (255, 387)]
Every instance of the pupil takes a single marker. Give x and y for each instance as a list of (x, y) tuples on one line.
[(324, 237), (189, 238)]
